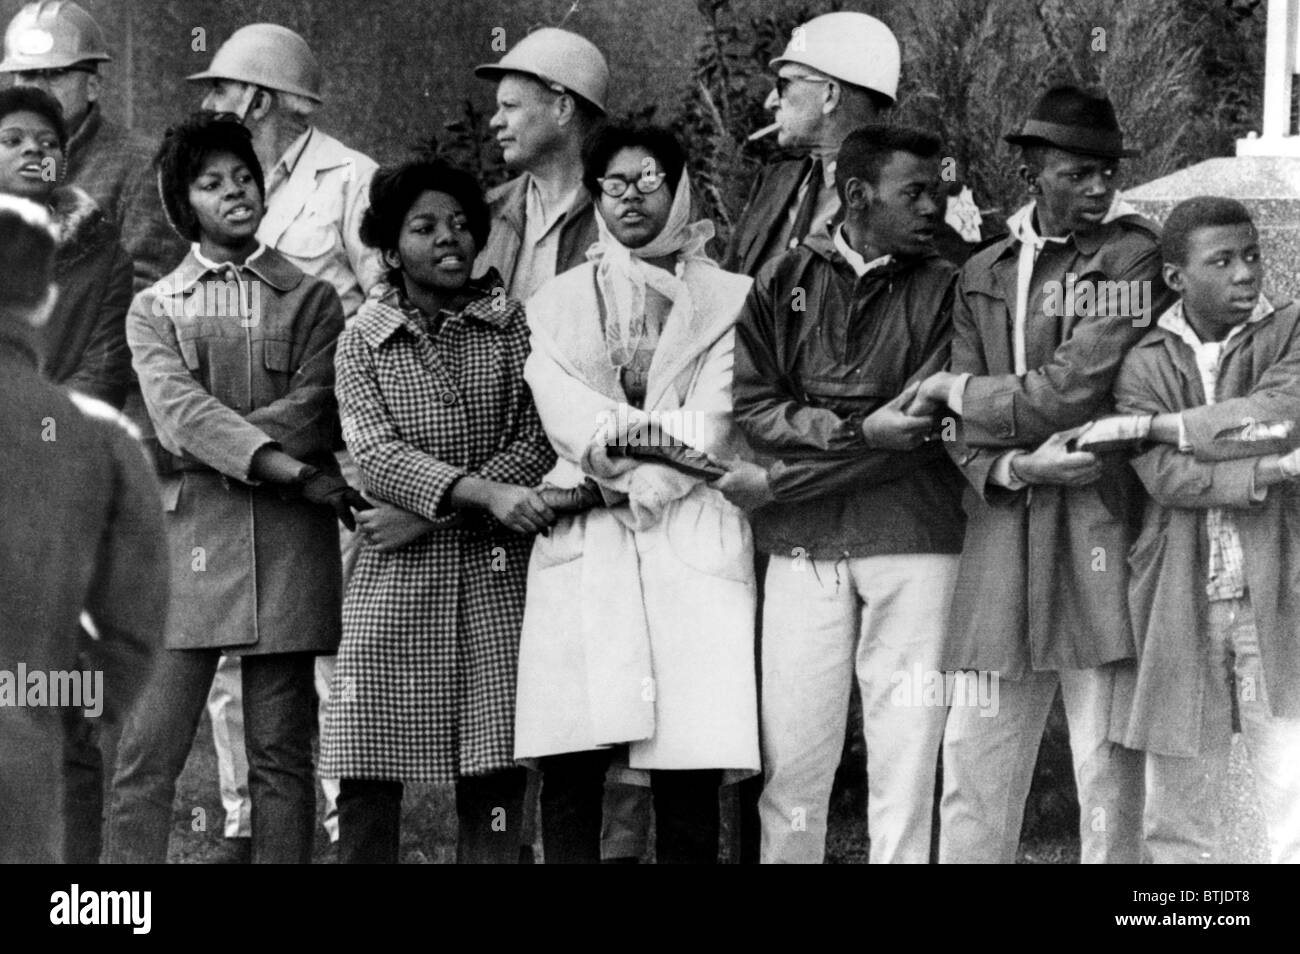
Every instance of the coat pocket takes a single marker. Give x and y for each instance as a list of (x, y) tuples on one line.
[(711, 537), (563, 545), (307, 238)]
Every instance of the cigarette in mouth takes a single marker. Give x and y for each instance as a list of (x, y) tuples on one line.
[(765, 131)]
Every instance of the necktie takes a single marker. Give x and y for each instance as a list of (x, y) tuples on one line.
[(803, 220)]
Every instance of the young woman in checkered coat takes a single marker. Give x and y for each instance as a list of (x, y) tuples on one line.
[(436, 413)]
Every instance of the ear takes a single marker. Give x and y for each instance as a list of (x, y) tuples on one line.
[(1173, 274), (391, 258), (93, 87), (859, 193), (1030, 178), (260, 105), (832, 98), (565, 109)]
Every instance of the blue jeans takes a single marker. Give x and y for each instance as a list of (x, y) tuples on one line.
[(279, 705)]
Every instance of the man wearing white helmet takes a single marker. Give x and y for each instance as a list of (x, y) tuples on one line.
[(838, 72), (317, 190), (551, 90), (57, 47)]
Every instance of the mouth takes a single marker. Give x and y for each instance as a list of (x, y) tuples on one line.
[(30, 170), (239, 215), (453, 262), (632, 218)]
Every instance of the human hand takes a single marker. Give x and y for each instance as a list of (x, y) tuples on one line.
[(331, 490), (520, 509), (745, 484), (1054, 463), (890, 427), (386, 527), (932, 395)]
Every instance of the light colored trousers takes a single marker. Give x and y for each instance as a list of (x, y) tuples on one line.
[(824, 621), (1185, 796), (988, 765)]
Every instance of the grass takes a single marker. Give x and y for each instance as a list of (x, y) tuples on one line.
[(429, 820)]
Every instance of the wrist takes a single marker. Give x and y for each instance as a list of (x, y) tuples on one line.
[(1019, 470)]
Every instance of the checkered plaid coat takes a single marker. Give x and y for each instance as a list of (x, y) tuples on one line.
[(425, 684)]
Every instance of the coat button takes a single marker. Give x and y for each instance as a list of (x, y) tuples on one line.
[(448, 397)]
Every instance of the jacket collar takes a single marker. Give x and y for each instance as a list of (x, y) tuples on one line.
[(387, 309), (824, 245), (1172, 326), (1020, 228), (509, 202), (77, 217), (266, 263)]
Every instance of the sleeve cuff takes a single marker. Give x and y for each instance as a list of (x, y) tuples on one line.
[(1184, 444), (1001, 473), (956, 392)]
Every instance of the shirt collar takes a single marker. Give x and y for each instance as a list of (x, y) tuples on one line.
[(552, 216), (1021, 222), (289, 160), (859, 264), (1175, 322), (267, 264)]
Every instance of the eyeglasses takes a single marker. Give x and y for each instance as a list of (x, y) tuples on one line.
[(783, 82), (647, 182)]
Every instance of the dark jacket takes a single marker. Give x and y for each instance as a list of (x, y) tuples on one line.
[(753, 237), (1169, 563), (83, 346), (83, 531), (115, 168), (1042, 582), (253, 570), (818, 349), (507, 204)]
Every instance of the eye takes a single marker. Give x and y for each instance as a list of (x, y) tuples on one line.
[(1252, 257)]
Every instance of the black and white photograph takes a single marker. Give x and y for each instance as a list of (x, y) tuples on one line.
[(697, 432)]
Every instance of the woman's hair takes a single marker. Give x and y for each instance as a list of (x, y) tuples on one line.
[(394, 189), (602, 145), (18, 99), (185, 148)]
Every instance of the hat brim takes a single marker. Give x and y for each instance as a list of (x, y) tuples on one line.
[(1018, 139), (208, 75), (495, 72)]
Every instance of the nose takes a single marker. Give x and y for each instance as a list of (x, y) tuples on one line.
[(773, 100), (498, 120), (927, 207), (1243, 273), (235, 189)]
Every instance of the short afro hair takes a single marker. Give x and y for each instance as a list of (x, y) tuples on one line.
[(20, 99), (394, 189), (867, 150), (184, 150), (607, 140), (1199, 212)]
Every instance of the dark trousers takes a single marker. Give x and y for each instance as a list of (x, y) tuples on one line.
[(89, 753), (489, 812), (279, 709), (685, 803)]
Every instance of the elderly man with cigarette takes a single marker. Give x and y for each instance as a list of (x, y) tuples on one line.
[(838, 72)]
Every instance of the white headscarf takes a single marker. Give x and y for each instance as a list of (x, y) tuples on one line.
[(622, 274)]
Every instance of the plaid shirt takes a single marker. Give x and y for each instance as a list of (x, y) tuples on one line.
[(1227, 576)]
